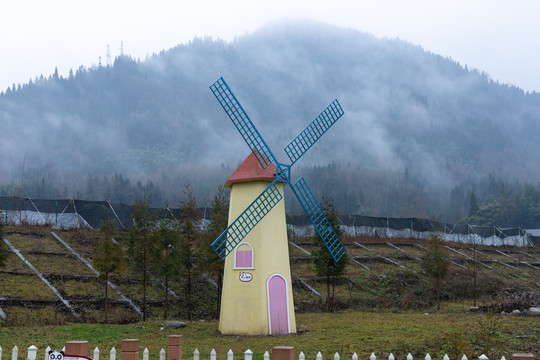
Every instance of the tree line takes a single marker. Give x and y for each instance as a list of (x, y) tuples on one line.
[(498, 203), (487, 201)]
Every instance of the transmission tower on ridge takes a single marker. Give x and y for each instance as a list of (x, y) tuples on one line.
[(108, 55)]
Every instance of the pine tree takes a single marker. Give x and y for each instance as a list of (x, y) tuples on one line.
[(323, 260), (189, 242), (142, 244), (168, 264), (109, 259), (218, 224), (473, 204), (435, 264), (3, 248)]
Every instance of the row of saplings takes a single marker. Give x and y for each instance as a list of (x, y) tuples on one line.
[(177, 249), (173, 249)]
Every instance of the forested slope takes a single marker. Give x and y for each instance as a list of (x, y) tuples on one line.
[(417, 126)]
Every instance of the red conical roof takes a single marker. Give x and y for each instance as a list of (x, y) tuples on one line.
[(251, 170)]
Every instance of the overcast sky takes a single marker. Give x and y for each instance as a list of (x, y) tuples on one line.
[(499, 37)]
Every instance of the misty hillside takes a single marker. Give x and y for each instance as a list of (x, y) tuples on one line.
[(411, 117)]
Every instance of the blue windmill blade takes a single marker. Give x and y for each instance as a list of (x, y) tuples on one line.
[(314, 131), (318, 219), (250, 217), (243, 123)]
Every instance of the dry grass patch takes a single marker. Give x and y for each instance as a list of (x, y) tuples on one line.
[(26, 286), (36, 243), (93, 288), (38, 316), (58, 264)]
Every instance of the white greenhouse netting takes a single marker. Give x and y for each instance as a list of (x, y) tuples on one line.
[(67, 214)]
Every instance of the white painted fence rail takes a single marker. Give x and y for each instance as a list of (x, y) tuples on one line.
[(248, 355)]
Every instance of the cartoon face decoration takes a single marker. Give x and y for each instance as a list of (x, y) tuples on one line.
[(56, 355)]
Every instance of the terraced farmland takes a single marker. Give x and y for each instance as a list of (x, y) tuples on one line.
[(382, 274)]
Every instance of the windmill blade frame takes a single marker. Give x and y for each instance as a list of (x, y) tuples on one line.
[(243, 123), (318, 218), (313, 132), (247, 220), (255, 212)]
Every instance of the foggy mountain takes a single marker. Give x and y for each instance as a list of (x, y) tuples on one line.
[(413, 116)]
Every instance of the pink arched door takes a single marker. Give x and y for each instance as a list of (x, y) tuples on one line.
[(277, 305)]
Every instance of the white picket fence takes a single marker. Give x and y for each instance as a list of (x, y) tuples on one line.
[(248, 355)]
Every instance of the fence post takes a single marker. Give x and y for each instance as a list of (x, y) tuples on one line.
[(319, 356), (175, 347), (230, 355), (391, 357), (267, 356), (112, 354), (409, 356), (464, 357), (483, 357), (336, 356), (145, 354), (283, 353), (162, 354), (32, 352), (96, 353), (0, 353), (354, 356), (248, 355), (445, 357), (46, 353), (130, 349), (14, 353), (372, 356), (428, 357), (301, 356), (76, 348), (522, 356), (213, 354), (195, 354)]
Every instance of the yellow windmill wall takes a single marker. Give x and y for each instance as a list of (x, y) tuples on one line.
[(244, 305)]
